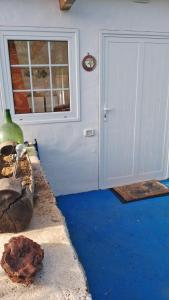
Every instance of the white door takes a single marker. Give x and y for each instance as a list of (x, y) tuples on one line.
[(134, 109)]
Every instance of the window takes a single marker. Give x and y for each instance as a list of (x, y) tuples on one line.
[(43, 77)]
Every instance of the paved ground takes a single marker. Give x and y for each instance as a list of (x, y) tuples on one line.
[(124, 248)]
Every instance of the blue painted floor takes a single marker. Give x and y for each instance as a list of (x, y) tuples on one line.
[(124, 248)]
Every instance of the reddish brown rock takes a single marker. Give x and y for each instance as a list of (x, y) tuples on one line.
[(21, 259)]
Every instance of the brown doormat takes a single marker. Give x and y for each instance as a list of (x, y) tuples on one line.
[(141, 190)]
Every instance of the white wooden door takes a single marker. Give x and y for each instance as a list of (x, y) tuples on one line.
[(134, 109)]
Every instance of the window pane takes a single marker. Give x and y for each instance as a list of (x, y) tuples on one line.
[(59, 52), (22, 102), (42, 102), (60, 77), (18, 52), (61, 100), (20, 78), (41, 78), (39, 52)]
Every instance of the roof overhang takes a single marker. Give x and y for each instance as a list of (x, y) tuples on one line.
[(66, 4)]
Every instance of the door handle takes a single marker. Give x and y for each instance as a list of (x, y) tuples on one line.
[(106, 110)]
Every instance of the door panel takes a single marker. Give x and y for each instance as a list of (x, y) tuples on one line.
[(121, 97), (153, 108), (135, 78)]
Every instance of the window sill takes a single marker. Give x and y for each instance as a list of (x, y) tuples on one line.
[(39, 119)]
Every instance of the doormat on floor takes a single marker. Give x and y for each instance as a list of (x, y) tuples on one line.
[(141, 190)]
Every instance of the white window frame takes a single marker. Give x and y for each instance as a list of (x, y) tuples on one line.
[(72, 37)]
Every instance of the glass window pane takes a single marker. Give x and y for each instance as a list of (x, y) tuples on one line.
[(22, 102), (59, 52), (50, 78), (60, 77), (20, 78), (42, 102), (39, 52), (41, 78), (18, 52), (61, 100)]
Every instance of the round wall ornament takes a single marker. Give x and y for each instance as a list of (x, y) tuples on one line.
[(89, 62)]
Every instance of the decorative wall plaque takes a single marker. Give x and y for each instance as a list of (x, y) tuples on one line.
[(89, 62)]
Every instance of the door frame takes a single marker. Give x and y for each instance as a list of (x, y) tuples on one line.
[(103, 34)]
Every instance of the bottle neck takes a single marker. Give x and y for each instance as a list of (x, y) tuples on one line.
[(7, 116)]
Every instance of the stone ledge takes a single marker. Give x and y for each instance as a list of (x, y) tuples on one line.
[(62, 277)]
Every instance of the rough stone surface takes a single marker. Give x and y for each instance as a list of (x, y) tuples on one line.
[(16, 194), (62, 277), (22, 259)]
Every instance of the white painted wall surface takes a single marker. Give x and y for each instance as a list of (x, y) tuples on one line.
[(70, 159)]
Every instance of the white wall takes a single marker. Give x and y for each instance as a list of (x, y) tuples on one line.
[(69, 159)]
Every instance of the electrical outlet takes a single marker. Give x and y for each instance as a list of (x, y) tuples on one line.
[(89, 132)]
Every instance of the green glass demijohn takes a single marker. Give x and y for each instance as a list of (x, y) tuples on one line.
[(10, 131)]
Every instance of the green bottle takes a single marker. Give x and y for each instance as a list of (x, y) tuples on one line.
[(10, 131)]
